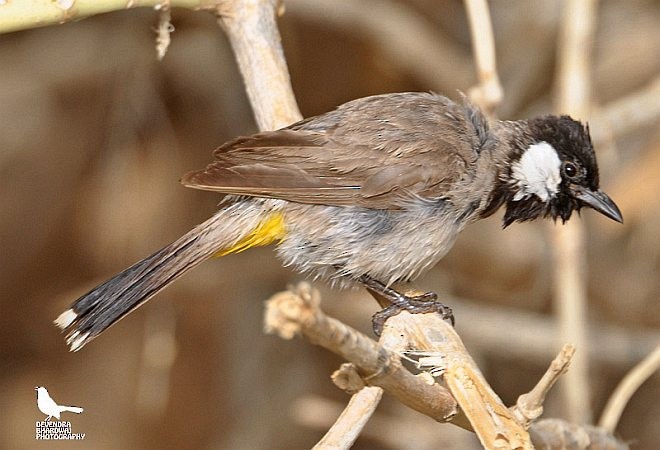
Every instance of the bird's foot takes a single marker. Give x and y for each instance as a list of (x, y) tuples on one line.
[(414, 304), (422, 304)]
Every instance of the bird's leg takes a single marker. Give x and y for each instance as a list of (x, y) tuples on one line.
[(414, 304)]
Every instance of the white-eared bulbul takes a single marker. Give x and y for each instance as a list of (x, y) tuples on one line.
[(374, 192)]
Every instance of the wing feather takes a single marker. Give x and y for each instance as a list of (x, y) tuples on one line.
[(375, 152)]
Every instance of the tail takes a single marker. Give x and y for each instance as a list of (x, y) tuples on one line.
[(73, 409), (235, 228)]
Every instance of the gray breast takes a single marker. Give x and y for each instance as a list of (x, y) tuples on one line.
[(329, 241)]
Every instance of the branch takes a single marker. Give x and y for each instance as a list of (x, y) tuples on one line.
[(296, 312), (573, 97), (345, 431), (255, 39), (488, 93), (529, 407), (21, 15), (435, 339), (628, 386), (557, 434)]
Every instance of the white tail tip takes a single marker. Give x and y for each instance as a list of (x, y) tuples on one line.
[(66, 318), (77, 340)]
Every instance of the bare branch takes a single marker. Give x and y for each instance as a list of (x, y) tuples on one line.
[(493, 423), (296, 312), (163, 31), (253, 33), (352, 420), (573, 97), (626, 388), (529, 407), (488, 93), (558, 434), (20, 15)]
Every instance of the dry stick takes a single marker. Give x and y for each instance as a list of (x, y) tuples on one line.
[(493, 423), (364, 400), (575, 39), (626, 388), (163, 31), (345, 431), (529, 407), (20, 15), (488, 93), (255, 39), (534, 339), (296, 312), (557, 434)]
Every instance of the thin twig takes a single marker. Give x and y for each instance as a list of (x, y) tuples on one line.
[(488, 93), (557, 434), (529, 407), (296, 312), (573, 97), (352, 420), (164, 30), (626, 388)]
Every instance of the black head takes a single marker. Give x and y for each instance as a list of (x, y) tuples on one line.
[(553, 172)]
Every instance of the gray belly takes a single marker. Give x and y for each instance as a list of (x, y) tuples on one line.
[(340, 243)]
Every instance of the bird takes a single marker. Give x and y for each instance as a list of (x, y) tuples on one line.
[(369, 194), (48, 406)]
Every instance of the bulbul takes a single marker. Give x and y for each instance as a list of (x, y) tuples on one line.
[(374, 192)]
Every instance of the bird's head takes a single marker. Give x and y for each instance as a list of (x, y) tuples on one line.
[(552, 172)]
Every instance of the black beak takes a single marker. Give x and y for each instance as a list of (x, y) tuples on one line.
[(599, 201)]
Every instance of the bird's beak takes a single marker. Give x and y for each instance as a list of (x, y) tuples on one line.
[(599, 201)]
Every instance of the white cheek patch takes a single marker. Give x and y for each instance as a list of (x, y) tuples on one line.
[(537, 172)]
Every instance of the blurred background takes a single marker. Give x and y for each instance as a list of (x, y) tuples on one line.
[(95, 134)]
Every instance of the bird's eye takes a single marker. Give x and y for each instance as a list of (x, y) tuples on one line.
[(570, 169)]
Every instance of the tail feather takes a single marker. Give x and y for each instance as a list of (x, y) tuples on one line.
[(104, 305)]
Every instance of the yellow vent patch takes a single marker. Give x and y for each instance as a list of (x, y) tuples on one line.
[(271, 229)]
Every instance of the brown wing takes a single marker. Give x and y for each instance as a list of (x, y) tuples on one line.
[(376, 152)]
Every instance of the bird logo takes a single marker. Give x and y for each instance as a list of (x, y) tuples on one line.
[(48, 406)]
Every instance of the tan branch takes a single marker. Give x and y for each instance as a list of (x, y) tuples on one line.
[(628, 386), (296, 312), (352, 420), (163, 31), (488, 93), (529, 407), (20, 15), (573, 97), (255, 39), (493, 423), (557, 434)]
